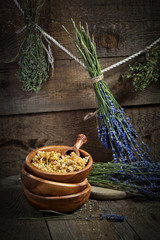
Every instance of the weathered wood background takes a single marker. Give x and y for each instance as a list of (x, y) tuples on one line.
[(54, 116)]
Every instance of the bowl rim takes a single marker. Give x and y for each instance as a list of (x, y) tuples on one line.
[(51, 182), (28, 162), (75, 195)]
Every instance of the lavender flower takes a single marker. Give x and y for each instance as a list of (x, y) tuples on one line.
[(115, 218), (101, 216), (89, 217), (133, 165), (140, 178), (115, 129)]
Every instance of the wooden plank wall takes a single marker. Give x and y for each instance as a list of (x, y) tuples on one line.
[(54, 116)]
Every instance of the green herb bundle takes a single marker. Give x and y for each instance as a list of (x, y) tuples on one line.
[(145, 73), (132, 170), (32, 62), (87, 49), (114, 128), (138, 178)]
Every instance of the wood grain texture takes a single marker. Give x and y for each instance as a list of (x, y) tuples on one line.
[(69, 89), (113, 39), (110, 10), (143, 216), (81, 229), (62, 204), (20, 134), (133, 26), (121, 230), (120, 29), (13, 206), (45, 187), (115, 10)]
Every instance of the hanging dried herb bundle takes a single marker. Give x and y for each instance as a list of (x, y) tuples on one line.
[(131, 157), (145, 73), (114, 128), (32, 63)]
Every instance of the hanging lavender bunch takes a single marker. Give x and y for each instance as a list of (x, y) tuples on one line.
[(114, 128), (33, 66)]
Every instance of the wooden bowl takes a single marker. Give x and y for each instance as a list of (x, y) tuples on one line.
[(63, 204), (71, 177), (45, 187)]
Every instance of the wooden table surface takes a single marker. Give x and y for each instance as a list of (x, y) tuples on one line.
[(142, 218)]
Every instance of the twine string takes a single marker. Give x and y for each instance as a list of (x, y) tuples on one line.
[(49, 55), (131, 57), (47, 36), (105, 69), (90, 115), (59, 45), (21, 29), (97, 79), (18, 5), (48, 51)]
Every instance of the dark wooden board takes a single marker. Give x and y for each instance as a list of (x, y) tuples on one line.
[(120, 28), (70, 88), (13, 206), (82, 229), (23, 133), (113, 39), (121, 230), (55, 114), (115, 10), (143, 216)]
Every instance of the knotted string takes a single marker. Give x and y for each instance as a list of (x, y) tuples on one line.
[(97, 79), (79, 61)]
